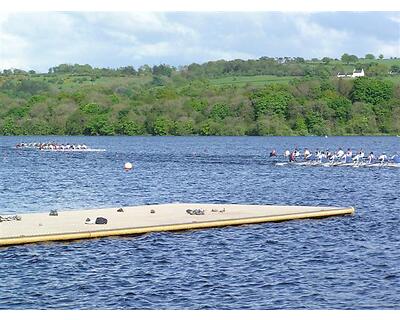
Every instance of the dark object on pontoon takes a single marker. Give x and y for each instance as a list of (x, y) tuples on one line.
[(196, 212), (120, 210), (101, 220)]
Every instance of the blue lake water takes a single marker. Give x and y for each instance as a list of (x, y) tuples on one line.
[(335, 263)]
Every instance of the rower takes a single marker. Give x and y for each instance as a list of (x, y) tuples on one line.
[(292, 157), (286, 153), (349, 152), (371, 157), (329, 154), (323, 158), (383, 158), (307, 154), (347, 158), (340, 153), (357, 158), (273, 153)]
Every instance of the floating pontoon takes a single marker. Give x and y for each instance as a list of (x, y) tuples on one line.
[(71, 225)]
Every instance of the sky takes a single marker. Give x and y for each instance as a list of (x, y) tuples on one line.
[(40, 40)]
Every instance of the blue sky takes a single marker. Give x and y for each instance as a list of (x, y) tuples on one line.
[(40, 40)]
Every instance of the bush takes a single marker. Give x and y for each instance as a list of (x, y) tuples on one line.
[(163, 126), (341, 105), (272, 99), (272, 125), (129, 128), (371, 90), (99, 125), (219, 112)]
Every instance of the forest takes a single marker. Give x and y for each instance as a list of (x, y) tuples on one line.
[(265, 96)]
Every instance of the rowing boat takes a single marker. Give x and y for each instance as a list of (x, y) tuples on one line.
[(340, 164), (73, 150)]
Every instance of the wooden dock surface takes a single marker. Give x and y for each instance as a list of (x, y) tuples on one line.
[(80, 224)]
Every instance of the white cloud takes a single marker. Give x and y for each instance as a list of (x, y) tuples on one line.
[(11, 48), (11, 52), (111, 39), (395, 18), (319, 41), (217, 54), (388, 49), (33, 40), (148, 22), (40, 40)]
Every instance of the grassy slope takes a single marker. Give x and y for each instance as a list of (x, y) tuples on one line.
[(258, 81), (250, 80)]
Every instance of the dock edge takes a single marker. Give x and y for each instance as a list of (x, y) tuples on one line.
[(175, 227)]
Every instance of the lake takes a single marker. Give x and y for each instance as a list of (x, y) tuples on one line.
[(335, 263)]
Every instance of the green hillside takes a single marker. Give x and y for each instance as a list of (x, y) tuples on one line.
[(266, 96)]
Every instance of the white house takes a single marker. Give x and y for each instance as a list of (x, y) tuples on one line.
[(358, 73), (355, 74)]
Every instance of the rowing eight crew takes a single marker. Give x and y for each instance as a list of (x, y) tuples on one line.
[(339, 155), (52, 146)]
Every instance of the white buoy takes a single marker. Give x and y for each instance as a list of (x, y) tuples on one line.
[(128, 166)]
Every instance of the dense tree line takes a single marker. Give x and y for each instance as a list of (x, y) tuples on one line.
[(279, 66), (161, 100)]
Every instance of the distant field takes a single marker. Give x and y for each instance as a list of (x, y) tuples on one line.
[(263, 80), (388, 62), (252, 80), (349, 67), (71, 81), (77, 81), (395, 79)]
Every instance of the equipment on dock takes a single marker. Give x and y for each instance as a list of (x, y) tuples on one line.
[(101, 220), (53, 213), (196, 212), (10, 218)]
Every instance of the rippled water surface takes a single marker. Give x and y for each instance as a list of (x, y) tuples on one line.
[(335, 263)]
